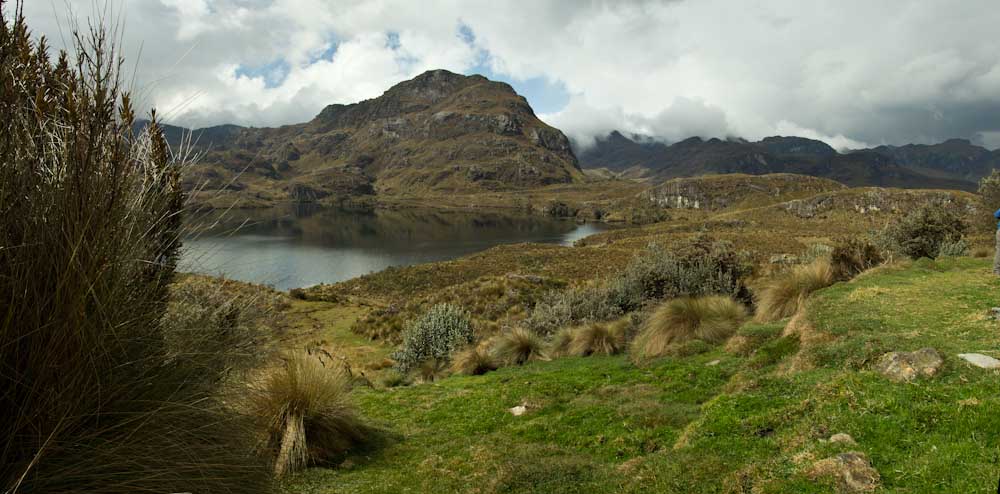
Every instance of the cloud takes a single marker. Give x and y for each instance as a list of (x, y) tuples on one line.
[(851, 72)]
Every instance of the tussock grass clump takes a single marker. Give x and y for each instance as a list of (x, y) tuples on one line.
[(599, 339), (519, 345), (473, 361), (559, 344), (305, 411), (981, 252), (94, 396), (711, 319), (783, 294)]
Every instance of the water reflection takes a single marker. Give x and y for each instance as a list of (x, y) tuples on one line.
[(300, 246)]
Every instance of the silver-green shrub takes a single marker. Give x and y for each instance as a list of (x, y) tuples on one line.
[(435, 335), (957, 248)]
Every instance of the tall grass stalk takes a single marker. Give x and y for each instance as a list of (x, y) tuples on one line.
[(94, 399)]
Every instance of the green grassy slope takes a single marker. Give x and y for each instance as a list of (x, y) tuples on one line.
[(753, 422)]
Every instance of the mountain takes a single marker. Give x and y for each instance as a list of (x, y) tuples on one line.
[(952, 158), (439, 132), (954, 164)]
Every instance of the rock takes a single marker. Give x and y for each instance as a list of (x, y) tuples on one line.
[(852, 472), (906, 366), (980, 360), (713, 363), (994, 313), (784, 259), (842, 438), (518, 410)]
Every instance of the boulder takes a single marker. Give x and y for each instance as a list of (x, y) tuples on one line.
[(980, 360), (907, 366), (851, 471), (842, 438)]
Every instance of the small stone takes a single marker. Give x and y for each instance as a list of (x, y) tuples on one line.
[(852, 472), (842, 438), (994, 313), (906, 366), (713, 363), (518, 410), (980, 360)]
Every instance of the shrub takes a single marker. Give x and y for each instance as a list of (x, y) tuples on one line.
[(699, 267), (473, 361), (989, 191), (561, 308), (435, 335), (519, 345), (922, 232), (599, 339), (306, 414), (559, 209), (853, 256), (94, 398), (711, 319), (782, 295), (958, 248)]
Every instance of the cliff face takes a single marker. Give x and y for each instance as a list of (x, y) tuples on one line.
[(439, 132)]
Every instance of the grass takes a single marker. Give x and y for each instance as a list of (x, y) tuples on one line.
[(782, 296), (473, 361), (103, 390), (711, 319), (747, 417), (517, 346), (599, 339), (305, 409)]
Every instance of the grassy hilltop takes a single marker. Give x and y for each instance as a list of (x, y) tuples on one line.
[(754, 415)]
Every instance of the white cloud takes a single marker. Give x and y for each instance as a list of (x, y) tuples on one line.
[(851, 71)]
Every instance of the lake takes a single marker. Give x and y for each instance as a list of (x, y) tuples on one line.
[(301, 246)]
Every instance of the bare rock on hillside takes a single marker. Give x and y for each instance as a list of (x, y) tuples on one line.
[(907, 366), (852, 472), (842, 438)]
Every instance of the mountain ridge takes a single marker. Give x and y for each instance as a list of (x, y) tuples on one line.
[(952, 164)]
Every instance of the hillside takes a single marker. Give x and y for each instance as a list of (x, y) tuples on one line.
[(955, 164), (756, 415), (439, 132)]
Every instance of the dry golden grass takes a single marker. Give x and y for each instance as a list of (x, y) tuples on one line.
[(473, 361), (305, 410), (982, 252), (519, 345), (711, 319), (783, 294), (599, 339), (561, 340)]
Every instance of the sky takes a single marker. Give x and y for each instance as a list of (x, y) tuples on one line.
[(850, 72)]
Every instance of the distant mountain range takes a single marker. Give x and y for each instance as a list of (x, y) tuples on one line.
[(440, 132), (443, 133), (953, 164)]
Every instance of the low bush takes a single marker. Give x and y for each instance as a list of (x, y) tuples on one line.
[(305, 413), (434, 336), (853, 256), (958, 248), (981, 252), (711, 319), (519, 345), (473, 361), (923, 231), (702, 266), (781, 296)]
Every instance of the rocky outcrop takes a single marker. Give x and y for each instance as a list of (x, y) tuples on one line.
[(907, 366), (850, 472)]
